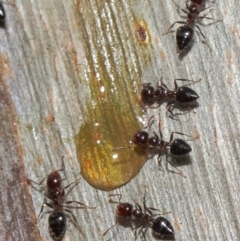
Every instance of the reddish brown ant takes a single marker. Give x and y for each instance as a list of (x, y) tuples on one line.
[(56, 194), (185, 33), (143, 218), (177, 147), (178, 98)]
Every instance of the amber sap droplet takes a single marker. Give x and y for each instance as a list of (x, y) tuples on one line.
[(142, 32), (110, 123)]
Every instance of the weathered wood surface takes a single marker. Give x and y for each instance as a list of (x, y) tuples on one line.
[(45, 60)]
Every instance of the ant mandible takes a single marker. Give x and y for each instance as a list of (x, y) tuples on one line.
[(185, 33), (177, 147), (143, 218), (178, 98), (56, 193)]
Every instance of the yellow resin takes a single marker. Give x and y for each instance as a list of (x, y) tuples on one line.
[(111, 122), (114, 61)]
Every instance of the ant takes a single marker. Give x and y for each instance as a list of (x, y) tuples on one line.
[(57, 220), (177, 147), (180, 95), (143, 218), (185, 33)]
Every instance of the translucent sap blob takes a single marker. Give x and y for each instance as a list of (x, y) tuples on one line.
[(111, 122)]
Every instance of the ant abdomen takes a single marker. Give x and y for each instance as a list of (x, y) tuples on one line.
[(180, 147), (184, 37), (186, 95), (163, 228), (57, 225)]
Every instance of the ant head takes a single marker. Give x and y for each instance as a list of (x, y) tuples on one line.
[(140, 138), (54, 181), (147, 94), (124, 209)]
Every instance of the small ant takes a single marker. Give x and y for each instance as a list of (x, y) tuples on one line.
[(185, 33), (176, 147), (143, 218), (57, 220), (180, 95)]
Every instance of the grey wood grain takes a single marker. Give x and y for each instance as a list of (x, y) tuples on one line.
[(46, 46)]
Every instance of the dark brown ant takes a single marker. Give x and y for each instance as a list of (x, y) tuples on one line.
[(57, 220), (178, 98), (177, 147), (185, 33), (143, 218)]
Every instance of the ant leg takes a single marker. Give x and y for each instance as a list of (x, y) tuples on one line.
[(216, 21), (105, 232), (204, 16), (171, 104), (179, 171), (199, 29), (155, 209), (180, 133), (41, 210), (193, 81), (123, 147), (82, 204), (75, 220), (180, 8), (29, 181), (119, 195), (150, 120), (180, 22), (72, 183)]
